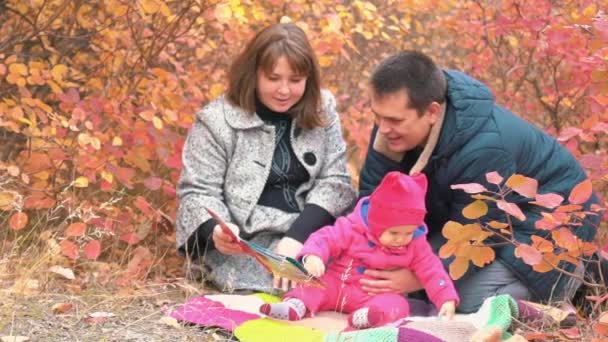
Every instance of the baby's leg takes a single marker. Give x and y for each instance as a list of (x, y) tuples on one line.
[(296, 303), (379, 310)]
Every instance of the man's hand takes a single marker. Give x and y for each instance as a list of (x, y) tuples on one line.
[(400, 280), (314, 265), (224, 242), (381, 145), (448, 309), (287, 247)]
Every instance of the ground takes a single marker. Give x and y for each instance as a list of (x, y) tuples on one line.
[(95, 315)]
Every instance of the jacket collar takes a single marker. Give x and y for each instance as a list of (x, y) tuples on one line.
[(238, 118)]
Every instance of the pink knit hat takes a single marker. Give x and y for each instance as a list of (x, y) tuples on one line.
[(397, 201)]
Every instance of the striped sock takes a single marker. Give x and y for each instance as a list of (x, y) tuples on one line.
[(291, 309), (365, 318)]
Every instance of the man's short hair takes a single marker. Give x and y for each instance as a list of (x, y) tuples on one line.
[(414, 72)]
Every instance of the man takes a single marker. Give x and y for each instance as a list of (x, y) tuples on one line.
[(447, 126)]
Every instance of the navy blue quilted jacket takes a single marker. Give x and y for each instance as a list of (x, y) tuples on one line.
[(478, 136)]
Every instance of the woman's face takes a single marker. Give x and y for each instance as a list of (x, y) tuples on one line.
[(282, 88)]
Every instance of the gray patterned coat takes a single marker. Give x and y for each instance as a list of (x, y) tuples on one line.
[(226, 162)]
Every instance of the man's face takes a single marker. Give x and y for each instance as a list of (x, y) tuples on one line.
[(401, 125)]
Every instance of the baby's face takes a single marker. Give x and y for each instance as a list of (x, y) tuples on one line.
[(398, 236)]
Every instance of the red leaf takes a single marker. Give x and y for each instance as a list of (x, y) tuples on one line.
[(75, 229), (18, 221), (581, 192), (549, 200), (69, 249), (470, 188), (569, 133), (143, 205), (130, 238), (153, 183), (92, 249), (571, 333), (38, 200), (528, 254), (494, 177), (511, 209), (169, 190)]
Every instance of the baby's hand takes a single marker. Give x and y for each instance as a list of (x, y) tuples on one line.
[(314, 265), (447, 309)]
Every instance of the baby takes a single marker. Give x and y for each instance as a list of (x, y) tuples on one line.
[(385, 231)]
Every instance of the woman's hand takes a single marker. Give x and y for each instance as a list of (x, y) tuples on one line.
[(224, 242), (314, 265), (400, 280), (448, 309), (287, 247)]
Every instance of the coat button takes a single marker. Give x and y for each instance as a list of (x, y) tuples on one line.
[(310, 158)]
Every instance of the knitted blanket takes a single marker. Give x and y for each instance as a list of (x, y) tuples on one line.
[(238, 315)]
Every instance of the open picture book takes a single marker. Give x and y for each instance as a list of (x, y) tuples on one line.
[(277, 264)]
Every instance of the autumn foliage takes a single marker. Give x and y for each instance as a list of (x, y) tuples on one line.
[(96, 99)]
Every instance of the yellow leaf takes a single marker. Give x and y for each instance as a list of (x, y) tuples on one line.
[(116, 141), (58, 72), (83, 139), (81, 182), (7, 200), (96, 143), (18, 69), (157, 122), (165, 10), (146, 115), (458, 267), (54, 87), (325, 60), (150, 6), (475, 210), (107, 176), (223, 13), (515, 181), (216, 90)]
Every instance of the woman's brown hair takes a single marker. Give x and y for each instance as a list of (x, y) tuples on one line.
[(262, 52)]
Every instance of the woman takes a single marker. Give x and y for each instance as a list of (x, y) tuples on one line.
[(268, 157)]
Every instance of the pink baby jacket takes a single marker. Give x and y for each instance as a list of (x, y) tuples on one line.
[(348, 248)]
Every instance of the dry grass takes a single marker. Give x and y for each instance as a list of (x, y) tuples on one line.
[(136, 315)]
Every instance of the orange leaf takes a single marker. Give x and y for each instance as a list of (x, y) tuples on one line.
[(548, 264), (497, 225), (61, 308), (69, 249), (18, 221), (581, 192), (529, 254), (92, 249), (480, 256), (75, 229), (458, 267), (511, 209), (523, 185), (475, 210), (564, 238), (447, 250), (451, 229), (541, 244)]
